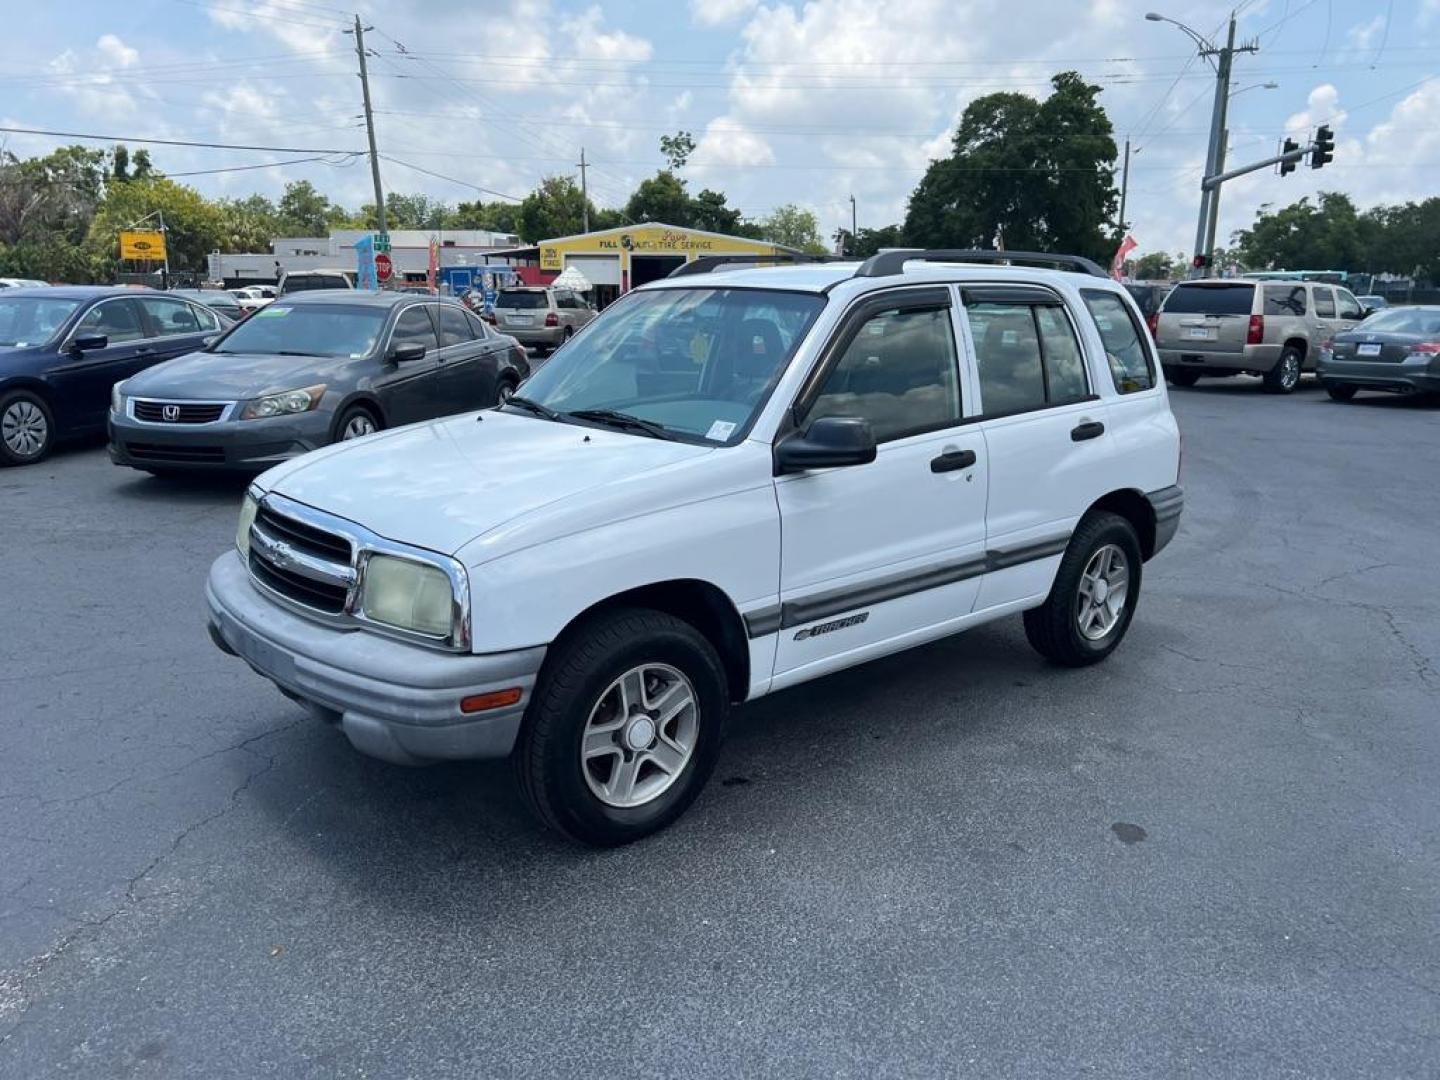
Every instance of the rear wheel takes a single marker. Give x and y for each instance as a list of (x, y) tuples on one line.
[(1284, 377), (1181, 377), (1094, 594), (624, 728), (27, 428), (1340, 392)]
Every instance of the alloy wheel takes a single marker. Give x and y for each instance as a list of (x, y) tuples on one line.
[(358, 425), (1289, 371), (24, 429), (640, 735), (1104, 588)]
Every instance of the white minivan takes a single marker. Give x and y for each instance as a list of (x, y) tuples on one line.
[(732, 482)]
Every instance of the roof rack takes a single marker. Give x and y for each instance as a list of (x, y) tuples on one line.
[(704, 264), (891, 262)]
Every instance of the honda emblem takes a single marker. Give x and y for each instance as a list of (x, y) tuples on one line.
[(171, 412)]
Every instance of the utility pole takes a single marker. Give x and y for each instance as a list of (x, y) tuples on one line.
[(1124, 188), (359, 33), (854, 230), (1215, 158), (584, 195)]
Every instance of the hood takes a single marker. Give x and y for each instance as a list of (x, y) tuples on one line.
[(442, 484), (206, 376)]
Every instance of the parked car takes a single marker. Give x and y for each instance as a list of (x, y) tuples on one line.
[(588, 578), (309, 370), (22, 283), (63, 347), (310, 280), (1149, 295), (1397, 350), (1234, 326), (217, 300), (544, 318), (1372, 303)]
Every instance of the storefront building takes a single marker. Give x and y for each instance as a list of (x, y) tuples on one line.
[(617, 260)]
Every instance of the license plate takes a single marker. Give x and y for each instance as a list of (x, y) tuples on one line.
[(1367, 350), (1200, 333), (519, 320)]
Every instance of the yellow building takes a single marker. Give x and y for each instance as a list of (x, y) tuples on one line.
[(617, 260)]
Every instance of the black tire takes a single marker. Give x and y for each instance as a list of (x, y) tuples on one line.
[(22, 407), (579, 669), (1053, 628), (351, 414), (1181, 377), (1340, 391), (504, 388), (1284, 377)]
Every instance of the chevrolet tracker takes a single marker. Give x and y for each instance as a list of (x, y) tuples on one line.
[(733, 481)]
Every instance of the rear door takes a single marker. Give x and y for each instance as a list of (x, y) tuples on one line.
[(412, 390), (1210, 319), (83, 379), (468, 370), (1047, 431)]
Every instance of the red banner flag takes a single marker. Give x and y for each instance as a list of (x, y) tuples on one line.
[(1117, 264)]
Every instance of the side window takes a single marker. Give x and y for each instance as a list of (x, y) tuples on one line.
[(414, 328), (1324, 303), (1349, 306), (205, 317), (479, 327), (1131, 367), (454, 326), (119, 320), (1284, 299), (1064, 363), (899, 372), (1007, 353), (169, 316)]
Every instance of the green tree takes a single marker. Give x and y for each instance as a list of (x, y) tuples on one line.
[(869, 241), (555, 208), (1304, 236), (1036, 175), (303, 211), (46, 206), (194, 226), (794, 227), (1154, 266), (677, 149), (494, 216), (661, 198), (248, 224), (710, 211)]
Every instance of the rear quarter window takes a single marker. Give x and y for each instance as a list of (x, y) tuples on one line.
[(1126, 353), (1284, 299), (1210, 300)]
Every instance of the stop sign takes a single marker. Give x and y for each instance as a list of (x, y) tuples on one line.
[(383, 267)]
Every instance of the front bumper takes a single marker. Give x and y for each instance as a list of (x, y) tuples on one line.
[(1420, 376), (226, 445), (395, 701)]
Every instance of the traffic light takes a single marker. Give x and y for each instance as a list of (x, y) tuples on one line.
[(1287, 167), (1324, 151), (1200, 262)]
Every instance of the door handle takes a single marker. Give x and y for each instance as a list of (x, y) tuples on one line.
[(1090, 429), (951, 460)]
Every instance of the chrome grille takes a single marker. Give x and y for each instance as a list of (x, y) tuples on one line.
[(178, 412), (303, 563)]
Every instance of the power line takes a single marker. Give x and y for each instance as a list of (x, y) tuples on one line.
[(264, 165), (451, 179), (175, 142)]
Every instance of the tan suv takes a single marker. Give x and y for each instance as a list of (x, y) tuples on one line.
[(543, 318), (1235, 326)]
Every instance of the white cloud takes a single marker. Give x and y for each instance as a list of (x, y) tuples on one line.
[(1365, 35), (117, 52), (1321, 107), (728, 143), (719, 12)]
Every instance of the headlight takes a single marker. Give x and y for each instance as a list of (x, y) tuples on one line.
[(291, 401), (242, 531), (117, 400), (408, 595)]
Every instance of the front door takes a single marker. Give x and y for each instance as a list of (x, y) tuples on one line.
[(83, 379), (177, 326), (412, 390), (874, 557)]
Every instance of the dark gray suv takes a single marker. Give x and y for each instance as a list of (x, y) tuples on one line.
[(309, 370)]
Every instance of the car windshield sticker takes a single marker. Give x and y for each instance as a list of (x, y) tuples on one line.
[(271, 312), (720, 431)]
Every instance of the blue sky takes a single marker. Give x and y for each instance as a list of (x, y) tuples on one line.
[(790, 102)]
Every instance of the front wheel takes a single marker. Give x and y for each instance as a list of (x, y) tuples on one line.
[(1181, 377), (355, 423), (1094, 594), (624, 728), (1340, 392), (1284, 377), (27, 428)]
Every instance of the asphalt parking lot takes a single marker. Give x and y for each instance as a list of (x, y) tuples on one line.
[(1217, 854)]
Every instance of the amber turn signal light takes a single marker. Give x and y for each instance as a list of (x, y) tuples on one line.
[(496, 699)]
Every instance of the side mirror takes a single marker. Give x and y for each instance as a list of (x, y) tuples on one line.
[(828, 443), (1366, 312), (89, 342), (403, 353), (207, 342)]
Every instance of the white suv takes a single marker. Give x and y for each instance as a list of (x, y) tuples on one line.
[(733, 482)]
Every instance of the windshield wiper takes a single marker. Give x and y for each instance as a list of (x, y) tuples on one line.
[(533, 407), (623, 420), (297, 352)]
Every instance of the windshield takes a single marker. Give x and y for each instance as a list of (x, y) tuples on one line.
[(699, 362), (515, 298), (30, 320), (1405, 321), (1209, 300), (318, 329)]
